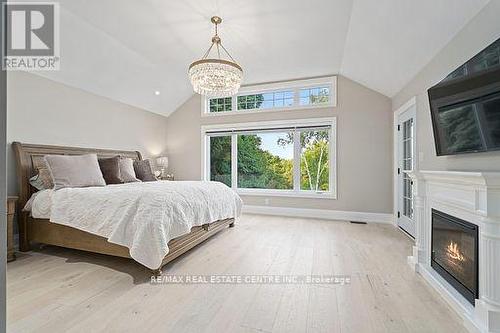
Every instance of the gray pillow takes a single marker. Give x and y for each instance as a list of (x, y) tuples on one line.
[(75, 171), (127, 173), (143, 171), (110, 168)]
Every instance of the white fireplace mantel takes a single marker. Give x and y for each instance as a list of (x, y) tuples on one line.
[(473, 197)]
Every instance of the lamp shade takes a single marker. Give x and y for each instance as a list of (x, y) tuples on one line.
[(162, 161)]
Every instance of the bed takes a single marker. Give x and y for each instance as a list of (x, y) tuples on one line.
[(30, 158)]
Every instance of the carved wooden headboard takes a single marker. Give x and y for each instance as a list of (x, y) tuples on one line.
[(30, 157)]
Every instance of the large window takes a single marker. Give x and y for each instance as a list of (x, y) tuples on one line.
[(277, 96), (280, 158)]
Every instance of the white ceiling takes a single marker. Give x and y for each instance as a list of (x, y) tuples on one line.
[(390, 41), (128, 49)]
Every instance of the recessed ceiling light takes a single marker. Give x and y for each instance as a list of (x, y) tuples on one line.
[(157, 92)]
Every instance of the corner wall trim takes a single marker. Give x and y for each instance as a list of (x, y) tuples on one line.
[(320, 214)]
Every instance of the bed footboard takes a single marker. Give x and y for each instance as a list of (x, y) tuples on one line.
[(46, 232)]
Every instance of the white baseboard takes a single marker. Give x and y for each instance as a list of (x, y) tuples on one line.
[(320, 214)]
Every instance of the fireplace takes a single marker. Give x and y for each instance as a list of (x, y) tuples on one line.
[(455, 253)]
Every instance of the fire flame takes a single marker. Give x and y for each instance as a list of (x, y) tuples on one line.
[(454, 252)]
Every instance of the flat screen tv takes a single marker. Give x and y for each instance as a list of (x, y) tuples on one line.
[(465, 106)]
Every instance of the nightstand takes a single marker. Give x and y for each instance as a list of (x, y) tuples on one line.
[(11, 212)]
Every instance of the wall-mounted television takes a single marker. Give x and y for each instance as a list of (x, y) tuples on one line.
[(465, 106)]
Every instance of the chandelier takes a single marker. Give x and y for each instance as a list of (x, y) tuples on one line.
[(216, 77)]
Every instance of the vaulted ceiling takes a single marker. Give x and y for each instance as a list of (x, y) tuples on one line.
[(128, 49)]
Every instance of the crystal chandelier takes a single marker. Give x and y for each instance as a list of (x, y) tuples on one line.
[(216, 77)]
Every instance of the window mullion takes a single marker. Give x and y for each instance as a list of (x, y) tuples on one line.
[(234, 103), (296, 160), (234, 161), (296, 97), (206, 169)]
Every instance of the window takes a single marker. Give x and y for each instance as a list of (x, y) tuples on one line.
[(291, 158), (316, 95), (314, 160), (220, 104), (277, 96), (269, 100)]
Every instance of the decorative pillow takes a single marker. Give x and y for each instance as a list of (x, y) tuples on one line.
[(127, 173), (74, 171), (42, 180), (143, 171), (110, 168)]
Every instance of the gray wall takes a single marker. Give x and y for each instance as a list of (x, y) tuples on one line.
[(45, 112), (364, 121), (479, 33)]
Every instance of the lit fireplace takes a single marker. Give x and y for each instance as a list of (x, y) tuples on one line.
[(455, 253)]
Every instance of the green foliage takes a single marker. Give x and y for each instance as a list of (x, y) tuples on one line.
[(258, 168), (314, 169), (306, 138), (220, 104), (220, 159), (322, 97), (249, 102)]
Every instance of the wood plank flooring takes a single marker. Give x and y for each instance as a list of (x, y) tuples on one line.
[(60, 290)]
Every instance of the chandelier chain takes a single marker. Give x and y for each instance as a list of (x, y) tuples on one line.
[(208, 51), (229, 55)]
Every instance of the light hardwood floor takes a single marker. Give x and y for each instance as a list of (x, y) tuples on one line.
[(59, 290)]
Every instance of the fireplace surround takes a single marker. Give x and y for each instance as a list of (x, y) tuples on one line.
[(473, 198)]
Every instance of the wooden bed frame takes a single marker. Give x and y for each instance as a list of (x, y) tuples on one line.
[(30, 158)]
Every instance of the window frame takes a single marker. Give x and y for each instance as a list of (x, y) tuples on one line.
[(296, 191), (295, 86)]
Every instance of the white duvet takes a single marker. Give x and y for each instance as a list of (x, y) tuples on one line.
[(144, 217)]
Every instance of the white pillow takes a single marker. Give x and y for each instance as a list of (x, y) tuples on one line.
[(75, 171), (127, 173)]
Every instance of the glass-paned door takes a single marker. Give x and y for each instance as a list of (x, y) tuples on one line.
[(406, 162)]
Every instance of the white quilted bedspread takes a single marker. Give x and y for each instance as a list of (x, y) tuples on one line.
[(144, 217)]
